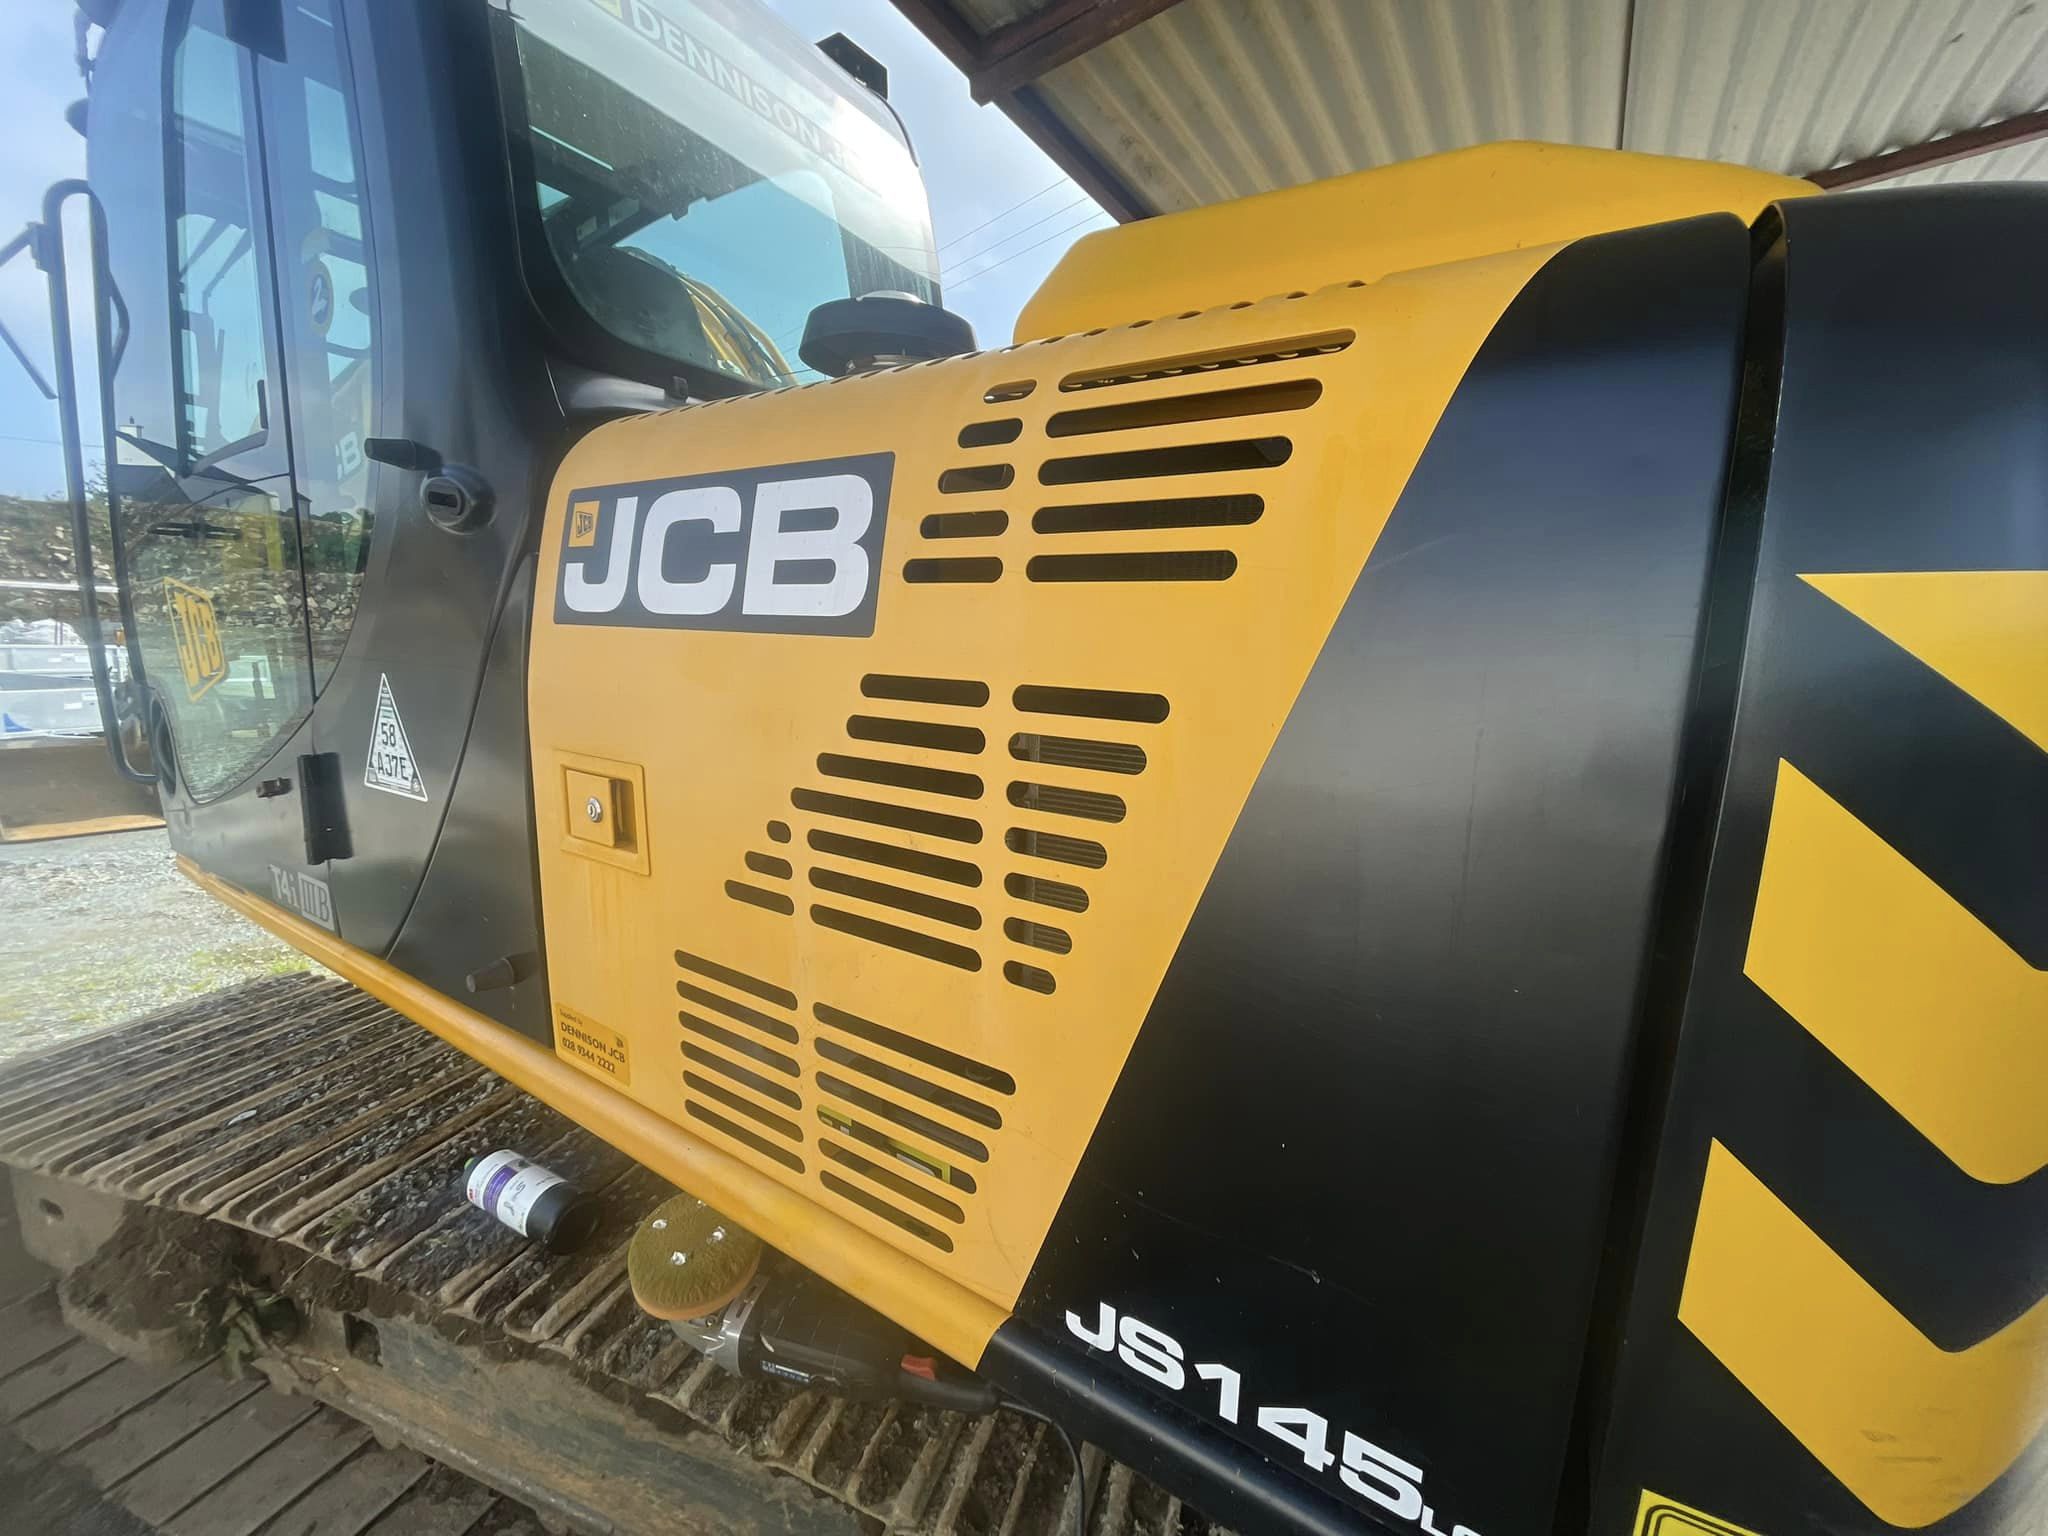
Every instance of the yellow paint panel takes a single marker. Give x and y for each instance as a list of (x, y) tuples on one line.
[(1659, 1516), (1914, 994), (1393, 218), (1985, 631), (1912, 1430), (744, 735)]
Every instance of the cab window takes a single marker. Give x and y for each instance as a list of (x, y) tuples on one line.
[(696, 190), (327, 296), (217, 290), (210, 538)]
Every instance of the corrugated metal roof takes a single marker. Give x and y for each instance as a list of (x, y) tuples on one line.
[(1214, 99)]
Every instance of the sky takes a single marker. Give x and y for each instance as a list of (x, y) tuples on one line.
[(1003, 212)]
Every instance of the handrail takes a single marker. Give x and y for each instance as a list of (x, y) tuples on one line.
[(45, 241)]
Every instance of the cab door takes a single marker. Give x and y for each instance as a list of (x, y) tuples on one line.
[(211, 548)]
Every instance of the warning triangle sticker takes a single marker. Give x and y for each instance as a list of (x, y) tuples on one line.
[(391, 767)]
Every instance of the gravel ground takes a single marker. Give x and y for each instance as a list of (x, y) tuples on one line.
[(94, 930)]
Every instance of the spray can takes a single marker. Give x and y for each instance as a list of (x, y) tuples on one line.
[(530, 1199)]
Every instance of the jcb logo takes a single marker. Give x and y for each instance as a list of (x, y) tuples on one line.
[(792, 547), (197, 633)]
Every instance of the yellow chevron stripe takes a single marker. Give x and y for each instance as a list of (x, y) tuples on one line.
[(1912, 1430), (1985, 631), (1912, 992)]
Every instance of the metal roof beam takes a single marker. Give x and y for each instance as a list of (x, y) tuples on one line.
[(1968, 143), (967, 51), (1034, 45)]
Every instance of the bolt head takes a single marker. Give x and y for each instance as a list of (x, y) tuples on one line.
[(660, 1223), (594, 808), (718, 1234), (679, 1258)]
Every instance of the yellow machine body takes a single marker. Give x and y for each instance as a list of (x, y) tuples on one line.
[(715, 741)]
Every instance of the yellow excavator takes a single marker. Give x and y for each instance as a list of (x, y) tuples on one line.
[(1392, 868)]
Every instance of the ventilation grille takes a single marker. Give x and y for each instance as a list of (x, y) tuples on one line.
[(739, 1039), (919, 836), (1089, 500), (881, 1118)]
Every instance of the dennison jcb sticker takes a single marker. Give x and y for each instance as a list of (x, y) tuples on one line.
[(1659, 1516), (598, 1050)]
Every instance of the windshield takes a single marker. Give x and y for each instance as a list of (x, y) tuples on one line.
[(704, 179)]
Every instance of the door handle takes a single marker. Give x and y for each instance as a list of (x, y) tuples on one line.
[(454, 496)]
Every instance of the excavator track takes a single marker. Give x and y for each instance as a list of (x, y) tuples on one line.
[(321, 1137)]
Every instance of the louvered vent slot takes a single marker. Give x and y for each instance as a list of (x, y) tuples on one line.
[(964, 525), (1044, 936), (1179, 459), (910, 940), (889, 1179), (964, 570), (745, 1076), (989, 434), (877, 903), (883, 1209), (880, 813), (901, 1152), (1091, 703), (1002, 394), (1057, 846), (913, 861), (739, 981), (1290, 349), (1060, 800), (769, 864), (1149, 516), (916, 733), (1239, 406), (937, 908), (966, 1068), (915, 1084), (740, 1013), (705, 1087), (746, 1138), (1078, 752), (755, 896), (874, 770), (734, 1081), (740, 1044), (1031, 978), (778, 831), (914, 1176), (902, 1118), (1135, 565), (1049, 893), (925, 690), (971, 478), (1172, 410)]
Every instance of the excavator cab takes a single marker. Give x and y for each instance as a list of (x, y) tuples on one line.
[(373, 278)]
